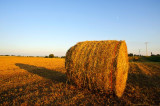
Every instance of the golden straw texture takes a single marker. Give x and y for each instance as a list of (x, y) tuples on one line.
[(98, 65)]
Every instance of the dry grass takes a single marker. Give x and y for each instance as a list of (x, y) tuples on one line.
[(42, 81), (98, 65)]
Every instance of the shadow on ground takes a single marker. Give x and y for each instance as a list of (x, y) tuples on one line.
[(44, 72), (139, 78), (143, 80)]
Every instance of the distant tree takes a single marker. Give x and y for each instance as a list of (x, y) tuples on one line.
[(136, 55), (51, 55), (46, 57), (63, 56), (152, 54), (130, 54)]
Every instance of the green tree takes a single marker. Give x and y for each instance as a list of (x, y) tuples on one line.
[(46, 57), (51, 55), (63, 56)]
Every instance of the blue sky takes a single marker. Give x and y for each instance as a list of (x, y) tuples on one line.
[(41, 27)]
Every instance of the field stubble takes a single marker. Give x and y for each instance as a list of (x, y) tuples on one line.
[(42, 81)]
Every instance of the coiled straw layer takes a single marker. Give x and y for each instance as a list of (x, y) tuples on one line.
[(98, 65)]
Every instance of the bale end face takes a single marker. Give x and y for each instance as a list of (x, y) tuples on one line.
[(122, 70)]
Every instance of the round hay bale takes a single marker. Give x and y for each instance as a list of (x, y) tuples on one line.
[(98, 65)]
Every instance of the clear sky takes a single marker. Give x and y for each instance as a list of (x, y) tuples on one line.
[(41, 27)]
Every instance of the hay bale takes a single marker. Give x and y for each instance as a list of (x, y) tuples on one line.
[(98, 65)]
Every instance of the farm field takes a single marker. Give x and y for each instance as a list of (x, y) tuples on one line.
[(42, 81)]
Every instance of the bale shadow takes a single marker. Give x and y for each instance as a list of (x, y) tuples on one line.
[(143, 80), (142, 88), (44, 72)]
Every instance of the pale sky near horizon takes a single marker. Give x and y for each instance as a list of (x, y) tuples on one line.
[(41, 27)]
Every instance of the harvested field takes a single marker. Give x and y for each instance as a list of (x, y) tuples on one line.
[(42, 81)]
